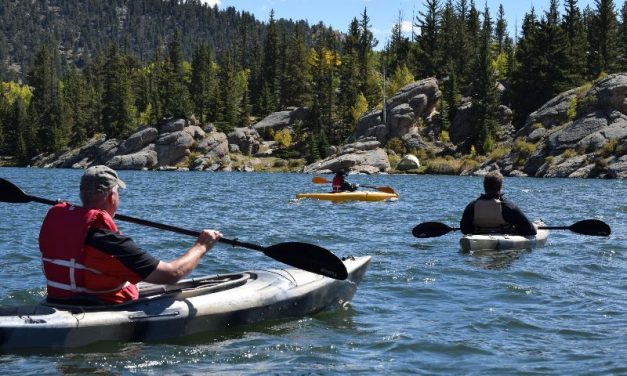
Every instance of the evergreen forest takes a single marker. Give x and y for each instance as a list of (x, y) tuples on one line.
[(71, 69)]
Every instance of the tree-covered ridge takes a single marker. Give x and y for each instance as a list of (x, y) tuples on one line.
[(111, 67), (79, 29)]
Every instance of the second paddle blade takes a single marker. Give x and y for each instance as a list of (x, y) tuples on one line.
[(592, 227), (9, 192), (308, 257), (430, 230)]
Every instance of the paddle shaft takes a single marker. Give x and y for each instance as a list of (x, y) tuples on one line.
[(592, 227), (126, 218), (233, 242), (539, 228)]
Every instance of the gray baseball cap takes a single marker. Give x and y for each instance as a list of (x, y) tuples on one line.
[(100, 179)]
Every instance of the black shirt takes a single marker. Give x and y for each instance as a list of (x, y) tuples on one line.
[(123, 249), (511, 214)]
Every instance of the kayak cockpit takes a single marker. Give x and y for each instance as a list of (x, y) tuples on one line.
[(147, 291)]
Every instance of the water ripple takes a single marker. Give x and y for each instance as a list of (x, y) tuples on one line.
[(423, 308)]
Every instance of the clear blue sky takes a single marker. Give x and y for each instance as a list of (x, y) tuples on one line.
[(383, 13)]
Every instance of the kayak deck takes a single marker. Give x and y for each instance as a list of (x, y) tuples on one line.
[(349, 196), (192, 306), (504, 241)]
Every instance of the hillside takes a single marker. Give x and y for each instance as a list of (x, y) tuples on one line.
[(81, 29)]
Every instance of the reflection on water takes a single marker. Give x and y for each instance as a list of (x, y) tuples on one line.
[(494, 259)]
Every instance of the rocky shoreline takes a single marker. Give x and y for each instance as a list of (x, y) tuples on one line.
[(581, 133)]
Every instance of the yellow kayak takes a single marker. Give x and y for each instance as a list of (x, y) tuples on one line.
[(350, 196)]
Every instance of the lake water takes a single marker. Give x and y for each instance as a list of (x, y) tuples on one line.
[(422, 308)]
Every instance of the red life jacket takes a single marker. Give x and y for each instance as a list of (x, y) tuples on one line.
[(72, 268), (338, 181)]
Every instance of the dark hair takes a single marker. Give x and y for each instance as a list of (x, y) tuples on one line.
[(493, 182)]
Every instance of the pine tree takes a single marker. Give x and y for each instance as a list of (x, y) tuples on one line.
[(349, 77), (484, 97), (202, 81), (526, 95), (603, 36), (95, 81), (576, 43), (461, 46), (473, 38), (622, 59), (552, 56), (446, 42), (23, 134), (43, 79), (451, 97), (229, 95), (397, 51), (323, 62), (118, 111), (541, 69), (429, 53), (176, 93), (364, 52), (270, 79), (76, 97), (500, 30), (256, 80), (294, 88)]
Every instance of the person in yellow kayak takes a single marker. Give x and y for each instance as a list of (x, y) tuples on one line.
[(340, 184), (493, 213), (86, 260)]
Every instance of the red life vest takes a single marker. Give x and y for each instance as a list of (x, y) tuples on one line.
[(338, 181), (72, 268)]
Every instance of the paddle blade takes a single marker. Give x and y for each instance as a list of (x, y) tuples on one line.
[(386, 190), (592, 227), (9, 192), (308, 257), (431, 230), (319, 180)]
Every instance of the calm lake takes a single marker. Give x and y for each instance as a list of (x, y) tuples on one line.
[(422, 308)]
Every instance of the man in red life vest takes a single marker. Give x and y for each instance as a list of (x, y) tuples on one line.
[(340, 184), (493, 213), (87, 261)]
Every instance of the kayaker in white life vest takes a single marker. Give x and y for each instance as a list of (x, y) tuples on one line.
[(493, 213), (86, 260), (340, 184)]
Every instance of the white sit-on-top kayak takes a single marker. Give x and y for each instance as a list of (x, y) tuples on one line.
[(504, 241), (169, 311)]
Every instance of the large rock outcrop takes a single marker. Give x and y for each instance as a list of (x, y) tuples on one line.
[(164, 146), (366, 157), (413, 101), (580, 133), (281, 119)]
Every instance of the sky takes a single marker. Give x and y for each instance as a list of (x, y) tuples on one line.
[(383, 13)]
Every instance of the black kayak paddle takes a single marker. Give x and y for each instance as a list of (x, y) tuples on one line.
[(309, 257), (593, 227)]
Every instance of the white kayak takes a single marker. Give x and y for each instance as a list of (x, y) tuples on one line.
[(189, 307), (503, 241)]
